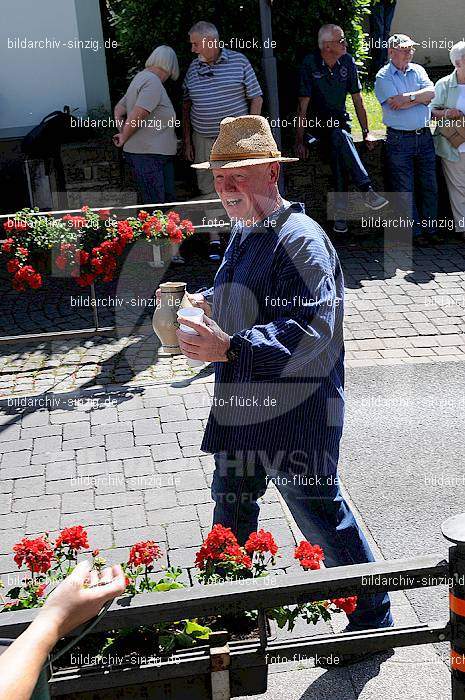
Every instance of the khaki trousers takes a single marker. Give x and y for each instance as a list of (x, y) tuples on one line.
[(454, 172), (203, 146)]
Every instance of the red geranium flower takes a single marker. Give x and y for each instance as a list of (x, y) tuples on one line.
[(41, 590), (174, 217), (83, 256), (188, 226), (75, 537), (220, 545), (144, 553), (348, 605), (261, 541), (18, 225), (104, 213), (13, 265), (142, 215), (310, 556), (6, 247), (36, 554), (60, 262)]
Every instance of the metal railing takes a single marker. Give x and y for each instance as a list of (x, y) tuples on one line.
[(235, 597)]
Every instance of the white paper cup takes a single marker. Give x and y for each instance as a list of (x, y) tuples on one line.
[(194, 315)]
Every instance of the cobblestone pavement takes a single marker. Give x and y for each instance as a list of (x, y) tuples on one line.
[(106, 434), (123, 462), (401, 306)]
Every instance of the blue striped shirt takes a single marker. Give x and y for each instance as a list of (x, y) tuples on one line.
[(219, 90), (280, 295)]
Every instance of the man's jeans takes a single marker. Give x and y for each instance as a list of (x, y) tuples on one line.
[(411, 162), (317, 506), (154, 176), (345, 162)]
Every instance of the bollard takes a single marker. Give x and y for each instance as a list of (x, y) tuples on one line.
[(453, 530)]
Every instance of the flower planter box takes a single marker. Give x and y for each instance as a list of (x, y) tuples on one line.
[(185, 675)]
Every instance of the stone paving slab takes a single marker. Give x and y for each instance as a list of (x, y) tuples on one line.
[(60, 466), (403, 306)]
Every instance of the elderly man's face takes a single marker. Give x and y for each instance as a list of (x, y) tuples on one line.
[(206, 47), (247, 193), (401, 57), (337, 46)]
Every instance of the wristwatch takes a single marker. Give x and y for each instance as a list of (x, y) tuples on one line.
[(365, 132), (234, 350), (412, 98)]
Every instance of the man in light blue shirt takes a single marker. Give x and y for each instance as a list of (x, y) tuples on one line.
[(405, 93)]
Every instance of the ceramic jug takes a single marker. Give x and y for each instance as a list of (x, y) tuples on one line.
[(164, 321)]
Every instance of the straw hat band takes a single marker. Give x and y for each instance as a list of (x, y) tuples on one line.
[(243, 141), (244, 156)]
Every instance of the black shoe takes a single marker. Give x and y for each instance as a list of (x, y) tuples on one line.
[(214, 251), (373, 200), (340, 227)]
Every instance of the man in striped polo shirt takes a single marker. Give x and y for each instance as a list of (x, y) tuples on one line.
[(219, 83), (273, 328)]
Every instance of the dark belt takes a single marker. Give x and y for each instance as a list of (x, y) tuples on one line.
[(423, 130)]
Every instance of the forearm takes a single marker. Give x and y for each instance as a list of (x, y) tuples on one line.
[(301, 118), (422, 97), (286, 346), (362, 116), (133, 122), (22, 662), (255, 106), (119, 114)]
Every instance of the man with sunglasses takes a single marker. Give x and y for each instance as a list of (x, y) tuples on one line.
[(405, 92), (327, 76)]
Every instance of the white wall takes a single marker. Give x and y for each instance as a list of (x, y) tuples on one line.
[(431, 22), (35, 81)]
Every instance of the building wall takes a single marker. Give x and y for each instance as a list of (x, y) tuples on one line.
[(436, 25), (36, 81)]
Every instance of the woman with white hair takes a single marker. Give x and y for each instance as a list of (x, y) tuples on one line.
[(146, 120), (447, 105)]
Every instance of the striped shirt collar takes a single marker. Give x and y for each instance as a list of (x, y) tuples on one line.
[(222, 58)]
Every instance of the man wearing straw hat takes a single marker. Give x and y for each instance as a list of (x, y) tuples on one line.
[(274, 330)]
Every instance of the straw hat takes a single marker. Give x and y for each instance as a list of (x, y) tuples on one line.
[(243, 141)]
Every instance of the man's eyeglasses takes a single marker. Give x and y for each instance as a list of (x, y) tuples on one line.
[(342, 40), (409, 49)]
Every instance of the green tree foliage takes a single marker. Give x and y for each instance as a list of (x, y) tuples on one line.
[(141, 25)]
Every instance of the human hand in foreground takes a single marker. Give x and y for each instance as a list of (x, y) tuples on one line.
[(74, 601), (80, 597), (210, 345)]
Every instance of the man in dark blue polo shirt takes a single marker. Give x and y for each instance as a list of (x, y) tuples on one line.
[(327, 76)]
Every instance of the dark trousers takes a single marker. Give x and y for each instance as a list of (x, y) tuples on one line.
[(153, 175), (411, 161), (346, 165), (381, 17), (317, 506)]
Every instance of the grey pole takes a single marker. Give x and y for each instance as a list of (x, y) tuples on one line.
[(271, 76)]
